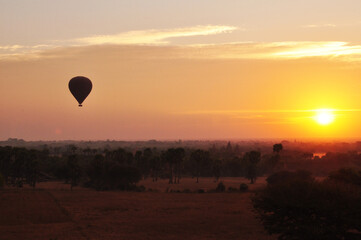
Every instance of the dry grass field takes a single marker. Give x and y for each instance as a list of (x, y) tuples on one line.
[(52, 211)]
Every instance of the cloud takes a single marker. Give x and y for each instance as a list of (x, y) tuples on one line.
[(11, 47), (156, 44), (279, 50), (317, 49), (21, 51), (275, 116), (142, 37), (326, 25), (154, 36), (340, 51), (259, 113)]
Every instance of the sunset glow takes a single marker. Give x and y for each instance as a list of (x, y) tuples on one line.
[(249, 109), (324, 116), (216, 71)]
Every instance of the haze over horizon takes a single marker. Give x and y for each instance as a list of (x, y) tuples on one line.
[(181, 69)]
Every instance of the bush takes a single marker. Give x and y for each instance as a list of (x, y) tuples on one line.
[(220, 187), (286, 176), (243, 187), (201, 191), (304, 209), (232, 189)]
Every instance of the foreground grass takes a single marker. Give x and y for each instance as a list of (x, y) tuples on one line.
[(54, 212)]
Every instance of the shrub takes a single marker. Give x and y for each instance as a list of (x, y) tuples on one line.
[(304, 209), (201, 191), (220, 187), (243, 187), (286, 176), (232, 189)]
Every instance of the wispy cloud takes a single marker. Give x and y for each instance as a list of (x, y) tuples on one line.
[(275, 116), (325, 25), (158, 44), (15, 51), (259, 113), (141, 37), (154, 36), (317, 49), (10, 47), (280, 50)]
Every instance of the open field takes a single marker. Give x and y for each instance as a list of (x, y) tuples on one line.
[(52, 211)]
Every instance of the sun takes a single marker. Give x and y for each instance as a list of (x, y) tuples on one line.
[(324, 116)]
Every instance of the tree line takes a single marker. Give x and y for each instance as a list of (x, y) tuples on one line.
[(122, 169)]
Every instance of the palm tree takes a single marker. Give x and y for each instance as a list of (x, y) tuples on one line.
[(277, 148)]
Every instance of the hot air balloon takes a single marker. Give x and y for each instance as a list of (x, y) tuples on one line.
[(80, 87)]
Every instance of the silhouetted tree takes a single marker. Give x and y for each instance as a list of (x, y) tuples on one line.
[(146, 161), (217, 165), (233, 166), (31, 167), (200, 158), (295, 206), (95, 172), (107, 174), (73, 170), (179, 156), (138, 159), (87, 151), (252, 159), (72, 148), (20, 157), (155, 164), (174, 158), (276, 159), (229, 147), (277, 148), (167, 157), (6, 162)]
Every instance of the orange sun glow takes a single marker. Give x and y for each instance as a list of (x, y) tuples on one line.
[(324, 116)]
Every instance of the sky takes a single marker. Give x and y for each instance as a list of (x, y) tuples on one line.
[(169, 70)]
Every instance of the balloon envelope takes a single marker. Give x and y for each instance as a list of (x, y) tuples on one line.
[(80, 87)]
